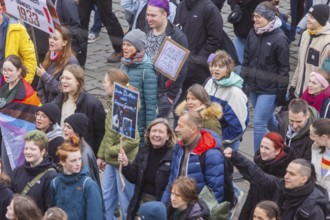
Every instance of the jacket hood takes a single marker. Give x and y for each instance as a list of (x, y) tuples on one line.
[(215, 110), (324, 31), (209, 140), (56, 132), (233, 80), (144, 64), (44, 165), (74, 178), (199, 210)]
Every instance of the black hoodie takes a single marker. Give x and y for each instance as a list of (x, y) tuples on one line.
[(5, 198)]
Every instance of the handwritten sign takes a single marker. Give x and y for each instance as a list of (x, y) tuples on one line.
[(124, 111), (34, 12), (170, 58)]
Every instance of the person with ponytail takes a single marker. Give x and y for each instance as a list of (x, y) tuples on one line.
[(73, 190), (49, 72), (109, 149)]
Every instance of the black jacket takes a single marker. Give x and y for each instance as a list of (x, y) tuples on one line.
[(273, 167), (135, 173), (317, 200), (300, 143), (195, 211), (40, 191), (5, 198), (164, 85), (202, 23), (94, 110), (266, 67)]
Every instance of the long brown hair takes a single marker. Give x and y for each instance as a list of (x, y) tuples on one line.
[(118, 76), (78, 74), (25, 208), (66, 52)]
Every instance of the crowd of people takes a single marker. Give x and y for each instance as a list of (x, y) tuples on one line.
[(61, 159)]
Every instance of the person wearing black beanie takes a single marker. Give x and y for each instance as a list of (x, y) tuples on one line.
[(320, 13), (78, 122)]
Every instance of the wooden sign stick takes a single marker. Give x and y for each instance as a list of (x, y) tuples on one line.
[(121, 165)]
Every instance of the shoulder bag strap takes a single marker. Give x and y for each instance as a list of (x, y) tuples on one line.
[(29, 185)]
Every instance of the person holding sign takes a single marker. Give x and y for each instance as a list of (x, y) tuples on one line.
[(58, 56), (168, 90), (150, 170), (136, 63), (15, 40), (107, 155)]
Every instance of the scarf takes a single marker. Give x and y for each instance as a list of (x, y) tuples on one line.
[(55, 56), (232, 80), (314, 32), (267, 28), (136, 58), (316, 100)]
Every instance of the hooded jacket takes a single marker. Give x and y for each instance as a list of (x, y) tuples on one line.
[(5, 198), (55, 139), (78, 195), (195, 211), (266, 67), (276, 167), (300, 143), (143, 77), (210, 115), (209, 144), (313, 50), (234, 103), (40, 192)]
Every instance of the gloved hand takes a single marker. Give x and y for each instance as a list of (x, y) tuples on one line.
[(291, 93), (280, 99)]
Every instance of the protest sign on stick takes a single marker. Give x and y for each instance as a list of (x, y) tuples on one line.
[(171, 58)]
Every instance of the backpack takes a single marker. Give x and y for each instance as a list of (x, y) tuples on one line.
[(228, 178)]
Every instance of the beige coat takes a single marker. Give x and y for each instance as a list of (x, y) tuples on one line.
[(317, 161)]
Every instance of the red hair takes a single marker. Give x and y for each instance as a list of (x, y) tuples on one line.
[(278, 142)]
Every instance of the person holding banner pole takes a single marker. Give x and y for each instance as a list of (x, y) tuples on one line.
[(15, 40), (108, 153)]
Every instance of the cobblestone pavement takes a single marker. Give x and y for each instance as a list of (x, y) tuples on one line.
[(97, 65)]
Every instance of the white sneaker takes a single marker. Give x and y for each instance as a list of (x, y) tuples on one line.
[(92, 37)]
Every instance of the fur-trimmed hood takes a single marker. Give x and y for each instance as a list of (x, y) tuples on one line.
[(215, 110)]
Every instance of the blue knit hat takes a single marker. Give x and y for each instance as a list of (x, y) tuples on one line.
[(153, 211)]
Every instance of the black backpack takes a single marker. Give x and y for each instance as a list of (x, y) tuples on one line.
[(228, 178)]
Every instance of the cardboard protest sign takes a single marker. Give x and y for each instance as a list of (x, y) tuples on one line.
[(124, 111), (35, 13), (170, 58)]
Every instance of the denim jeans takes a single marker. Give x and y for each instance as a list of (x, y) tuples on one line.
[(96, 28), (112, 192), (263, 117), (239, 44)]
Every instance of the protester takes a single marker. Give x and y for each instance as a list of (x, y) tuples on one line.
[(49, 72), (265, 69), (33, 178), (297, 195), (192, 143), (150, 170), (5, 192), (47, 117), (75, 128), (320, 133), (184, 201), (107, 156), (152, 211), (317, 94), (198, 100), (314, 48), (225, 88), (15, 40), (73, 99), (73, 190), (141, 73), (273, 158), (55, 214), (294, 125), (160, 27), (23, 208), (266, 210)]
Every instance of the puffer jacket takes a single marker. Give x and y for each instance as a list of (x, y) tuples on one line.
[(78, 195), (266, 67), (300, 143), (18, 42), (276, 167), (209, 144), (40, 192), (210, 115), (143, 76), (234, 104), (135, 173), (195, 211), (110, 144), (312, 52)]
